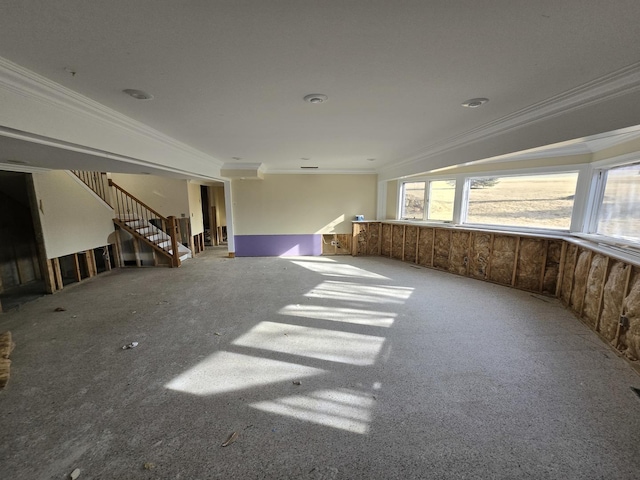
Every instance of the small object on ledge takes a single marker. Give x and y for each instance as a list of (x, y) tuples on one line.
[(359, 218)]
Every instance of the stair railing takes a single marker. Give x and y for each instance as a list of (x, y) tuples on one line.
[(96, 181), (129, 208)]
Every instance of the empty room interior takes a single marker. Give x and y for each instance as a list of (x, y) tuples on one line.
[(278, 239)]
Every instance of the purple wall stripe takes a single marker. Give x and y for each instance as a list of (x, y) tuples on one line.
[(278, 245)]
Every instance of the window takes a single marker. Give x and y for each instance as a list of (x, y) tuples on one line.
[(413, 200), (533, 201), (618, 214), (432, 200)]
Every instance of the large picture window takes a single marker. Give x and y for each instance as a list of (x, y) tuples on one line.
[(530, 201), (619, 211)]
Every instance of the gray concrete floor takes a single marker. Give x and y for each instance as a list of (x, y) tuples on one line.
[(404, 373)]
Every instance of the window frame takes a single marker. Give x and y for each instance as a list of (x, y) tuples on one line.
[(427, 181)]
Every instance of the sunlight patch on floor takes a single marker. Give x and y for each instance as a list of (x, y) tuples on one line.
[(356, 292), (338, 270), (323, 344), (344, 315), (227, 372), (341, 408)]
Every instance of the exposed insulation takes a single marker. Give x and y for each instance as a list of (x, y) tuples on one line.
[(479, 255), (612, 300), (425, 246), (397, 236), (591, 308), (552, 267), (386, 240), (459, 256), (6, 347), (441, 248), (630, 339), (580, 276), (344, 244), (410, 242), (362, 233), (373, 239), (567, 276), (530, 267), (502, 259)]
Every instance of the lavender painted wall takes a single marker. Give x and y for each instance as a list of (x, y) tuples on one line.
[(278, 245)]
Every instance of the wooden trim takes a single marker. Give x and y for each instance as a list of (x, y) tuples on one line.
[(55, 264), (91, 263), (543, 270), (601, 296), (586, 283), (514, 275), (77, 274), (563, 257), (232, 254)]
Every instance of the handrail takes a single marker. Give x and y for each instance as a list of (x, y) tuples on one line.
[(128, 208), (137, 200), (95, 181)]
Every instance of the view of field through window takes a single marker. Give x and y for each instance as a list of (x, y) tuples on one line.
[(544, 201), (619, 215)]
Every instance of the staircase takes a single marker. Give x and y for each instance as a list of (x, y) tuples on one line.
[(143, 222), (138, 219)]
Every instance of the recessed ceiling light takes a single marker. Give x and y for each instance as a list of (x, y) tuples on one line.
[(371, 159), (316, 98), (236, 158), (475, 102), (138, 94), (305, 158), (17, 162), (308, 167)]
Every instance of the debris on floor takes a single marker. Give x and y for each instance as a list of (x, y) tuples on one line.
[(75, 474), (59, 309), (6, 347), (297, 382), (149, 466), (232, 438), (218, 334), (130, 345)]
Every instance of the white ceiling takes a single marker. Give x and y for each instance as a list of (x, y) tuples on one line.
[(229, 76)]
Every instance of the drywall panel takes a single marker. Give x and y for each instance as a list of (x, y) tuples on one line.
[(73, 220), (459, 255), (425, 246), (595, 281), (302, 204), (442, 245), (612, 299), (217, 200), (531, 258), (410, 243), (385, 249), (479, 255), (397, 241), (168, 196), (195, 208), (503, 257)]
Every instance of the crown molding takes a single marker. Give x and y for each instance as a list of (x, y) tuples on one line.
[(33, 86), (320, 171), (620, 82)]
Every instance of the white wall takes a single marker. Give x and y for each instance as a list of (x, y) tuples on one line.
[(168, 196), (73, 220), (302, 204), (195, 209)]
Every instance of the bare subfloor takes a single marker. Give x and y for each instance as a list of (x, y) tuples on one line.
[(404, 373)]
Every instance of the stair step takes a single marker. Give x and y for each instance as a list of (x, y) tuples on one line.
[(164, 244), (135, 223), (158, 237), (148, 230)]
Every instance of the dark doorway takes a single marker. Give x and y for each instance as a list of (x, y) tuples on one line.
[(20, 275), (206, 217)]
